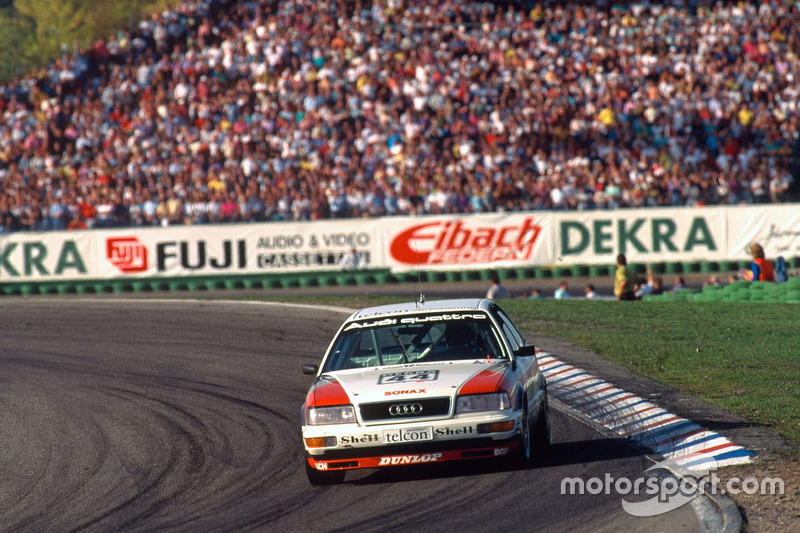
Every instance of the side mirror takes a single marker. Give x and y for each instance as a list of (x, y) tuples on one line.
[(526, 351), (310, 370)]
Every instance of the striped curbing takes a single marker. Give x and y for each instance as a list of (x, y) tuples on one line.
[(640, 420)]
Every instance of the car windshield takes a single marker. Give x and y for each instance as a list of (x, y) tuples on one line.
[(418, 338)]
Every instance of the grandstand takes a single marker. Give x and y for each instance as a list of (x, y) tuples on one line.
[(221, 111)]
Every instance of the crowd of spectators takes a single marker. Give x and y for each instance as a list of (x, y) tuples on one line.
[(223, 111)]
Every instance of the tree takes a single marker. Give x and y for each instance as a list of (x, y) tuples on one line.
[(34, 32)]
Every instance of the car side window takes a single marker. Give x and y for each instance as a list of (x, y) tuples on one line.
[(510, 331)]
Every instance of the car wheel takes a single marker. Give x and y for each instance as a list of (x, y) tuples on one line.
[(321, 478), (541, 435), (523, 458)]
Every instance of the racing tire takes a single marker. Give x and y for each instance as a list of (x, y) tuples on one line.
[(523, 458), (534, 443), (320, 478), (541, 435)]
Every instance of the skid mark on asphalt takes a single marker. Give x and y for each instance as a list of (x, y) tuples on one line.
[(640, 420)]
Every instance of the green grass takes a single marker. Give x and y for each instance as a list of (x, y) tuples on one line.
[(742, 357)]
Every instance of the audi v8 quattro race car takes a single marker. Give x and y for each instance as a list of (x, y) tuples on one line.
[(424, 382)]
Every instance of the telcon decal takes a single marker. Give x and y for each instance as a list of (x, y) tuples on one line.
[(465, 241), (127, 254)]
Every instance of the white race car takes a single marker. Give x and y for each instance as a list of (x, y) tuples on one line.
[(424, 382)]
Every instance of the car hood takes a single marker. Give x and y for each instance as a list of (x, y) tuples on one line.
[(419, 380)]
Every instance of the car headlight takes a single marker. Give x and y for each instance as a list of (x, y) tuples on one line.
[(497, 401), (340, 414)]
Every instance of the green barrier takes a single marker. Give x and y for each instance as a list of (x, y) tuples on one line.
[(507, 273), (327, 281), (304, 281), (369, 279), (384, 278), (215, 284), (46, 288), (234, 284), (178, 285), (453, 276), (691, 267), (66, 288), (709, 266), (562, 272), (435, 276), (103, 287), (196, 285), (346, 280), (84, 288), (255, 283), (475, 275), (526, 273), (141, 286), (580, 270), (673, 268), (289, 283), (11, 290), (121, 286), (27, 289), (159, 286)]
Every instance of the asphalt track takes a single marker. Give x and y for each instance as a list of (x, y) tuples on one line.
[(142, 415)]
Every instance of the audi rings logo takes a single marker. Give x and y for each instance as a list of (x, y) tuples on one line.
[(405, 409)]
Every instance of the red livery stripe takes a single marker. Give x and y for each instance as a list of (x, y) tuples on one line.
[(327, 393), (486, 381)]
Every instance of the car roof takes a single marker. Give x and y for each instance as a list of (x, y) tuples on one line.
[(408, 308)]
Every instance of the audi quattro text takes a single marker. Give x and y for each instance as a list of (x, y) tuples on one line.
[(424, 382)]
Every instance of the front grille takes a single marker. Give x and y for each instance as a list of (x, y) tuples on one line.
[(412, 409)]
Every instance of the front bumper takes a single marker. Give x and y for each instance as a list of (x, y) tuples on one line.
[(383, 458), (373, 447)]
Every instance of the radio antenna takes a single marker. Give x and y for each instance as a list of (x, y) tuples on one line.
[(420, 298)]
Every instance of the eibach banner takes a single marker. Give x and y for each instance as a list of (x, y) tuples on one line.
[(469, 242)]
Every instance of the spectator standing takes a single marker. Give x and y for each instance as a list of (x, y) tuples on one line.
[(624, 280), (351, 261), (496, 290)]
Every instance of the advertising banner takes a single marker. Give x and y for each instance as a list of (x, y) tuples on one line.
[(188, 250), (238, 249), (644, 235), (468, 241), (776, 228), (46, 256), (405, 243)]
